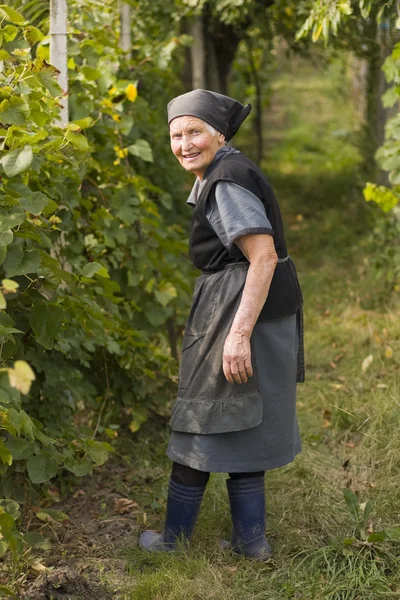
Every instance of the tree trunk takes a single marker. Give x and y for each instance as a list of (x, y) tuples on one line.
[(59, 51), (197, 54), (376, 114), (125, 42), (258, 111)]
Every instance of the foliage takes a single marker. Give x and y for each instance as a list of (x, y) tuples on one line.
[(90, 272), (324, 17)]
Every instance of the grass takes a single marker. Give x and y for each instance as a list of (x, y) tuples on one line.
[(348, 408)]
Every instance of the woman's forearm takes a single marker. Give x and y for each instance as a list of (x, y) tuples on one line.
[(255, 292)]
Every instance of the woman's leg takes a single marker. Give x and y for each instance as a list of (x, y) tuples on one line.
[(246, 475), (187, 476), (247, 502), (185, 493)]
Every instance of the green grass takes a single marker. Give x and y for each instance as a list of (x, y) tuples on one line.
[(349, 416)]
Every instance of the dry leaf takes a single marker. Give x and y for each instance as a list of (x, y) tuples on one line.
[(333, 365), (382, 386), (366, 363), (337, 386), (350, 445), (21, 376), (40, 568), (124, 505), (388, 352), (79, 493)]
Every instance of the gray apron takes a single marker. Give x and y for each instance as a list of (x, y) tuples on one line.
[(207, 403)]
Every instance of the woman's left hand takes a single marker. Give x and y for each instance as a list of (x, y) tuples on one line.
[(236, 358)]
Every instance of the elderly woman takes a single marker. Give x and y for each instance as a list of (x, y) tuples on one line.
[(242, 351)]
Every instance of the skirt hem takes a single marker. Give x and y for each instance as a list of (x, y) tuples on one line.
[(212, 467)]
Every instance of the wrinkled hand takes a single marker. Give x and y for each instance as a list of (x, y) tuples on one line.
[(236, 358)]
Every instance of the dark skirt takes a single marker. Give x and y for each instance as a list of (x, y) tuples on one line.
[(275, 441)]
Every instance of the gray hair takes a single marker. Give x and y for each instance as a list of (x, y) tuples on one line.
[(213, 131)]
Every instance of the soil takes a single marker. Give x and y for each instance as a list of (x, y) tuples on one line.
[(83, 562)]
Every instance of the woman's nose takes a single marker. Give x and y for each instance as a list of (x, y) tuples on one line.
[(186, 143)]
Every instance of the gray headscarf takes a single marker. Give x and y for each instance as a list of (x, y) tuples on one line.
[(222, 112)]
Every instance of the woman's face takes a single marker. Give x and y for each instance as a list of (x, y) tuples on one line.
[(193, 145)]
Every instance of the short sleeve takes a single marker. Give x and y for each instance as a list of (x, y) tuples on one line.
[(235, 212)]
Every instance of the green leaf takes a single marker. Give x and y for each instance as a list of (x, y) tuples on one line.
[(352, 503), (14, 111), (90, 73), (10, 14), (35, 203), (77, 140), (3, 303), (10, 507), (93, 268), (41, 468), (84, 123), (21, 422), (3, 254), (47, 76), (45, 320), (21, 263), (34, 539), (142, 149), (18, 160), (390, 97), (379, 536), (9, 32), (5, 454), (7, 525), (33, 35), (98, 451), (390, 69), (165, 293), (52, 514), (5, 591), (8, 395), (80, 468), (13, 220), (393, 534), (6, 237), (19, 448)]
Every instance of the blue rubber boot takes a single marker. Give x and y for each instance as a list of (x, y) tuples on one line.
[(183, 506), (247, 502)]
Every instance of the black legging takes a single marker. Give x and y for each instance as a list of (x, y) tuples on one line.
[(188, 476)]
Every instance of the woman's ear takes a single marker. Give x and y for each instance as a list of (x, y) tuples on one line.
[(221, 139)]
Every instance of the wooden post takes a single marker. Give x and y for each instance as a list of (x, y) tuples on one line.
[(59, 51), (125, 41)]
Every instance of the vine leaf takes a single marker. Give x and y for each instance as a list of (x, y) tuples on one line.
[(19, 262), (18, 160), (41, 468), (45, 320)]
